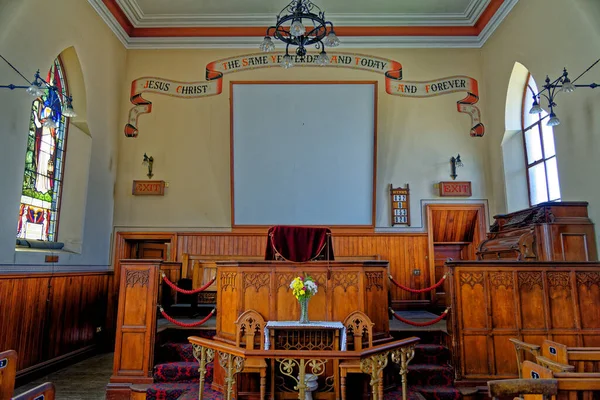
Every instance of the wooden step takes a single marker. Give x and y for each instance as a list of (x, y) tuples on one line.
[(138, 392)]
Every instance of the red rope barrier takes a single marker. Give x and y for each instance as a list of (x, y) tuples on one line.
[(184, 291), (441, 281), (433, 321), (184, 324)]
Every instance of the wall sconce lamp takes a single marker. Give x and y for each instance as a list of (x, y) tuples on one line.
[(57, 100), (148, 161), (455, 162)]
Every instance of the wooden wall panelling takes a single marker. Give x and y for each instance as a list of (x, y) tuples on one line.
[(48, 318), (405, 252), (532, 301)]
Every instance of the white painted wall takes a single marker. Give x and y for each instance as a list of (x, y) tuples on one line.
[(545, 36), (189, 138), (30, 45)]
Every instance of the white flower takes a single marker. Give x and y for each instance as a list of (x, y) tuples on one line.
[(311, 287)]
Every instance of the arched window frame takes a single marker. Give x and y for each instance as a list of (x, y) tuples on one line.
[(50, 215), (546, 147)]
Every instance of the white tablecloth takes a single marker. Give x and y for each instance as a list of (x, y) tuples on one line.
[(296, 324)]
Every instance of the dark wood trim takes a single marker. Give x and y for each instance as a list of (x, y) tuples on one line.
[(370, 226), (28, 275)]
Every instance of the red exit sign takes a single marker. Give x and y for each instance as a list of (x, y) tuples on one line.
[(455, 189), (148, 188)]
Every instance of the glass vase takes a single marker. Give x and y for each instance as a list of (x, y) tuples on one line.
[(303, 311)]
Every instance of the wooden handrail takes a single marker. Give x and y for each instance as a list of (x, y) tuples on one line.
[(553, 365), (304, 354), (525, 346), (219, 346), (401, 352)]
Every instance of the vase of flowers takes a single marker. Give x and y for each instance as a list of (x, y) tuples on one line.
[(303, 289)]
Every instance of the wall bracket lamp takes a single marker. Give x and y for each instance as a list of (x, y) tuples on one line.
[(148, 162), (455, 162)]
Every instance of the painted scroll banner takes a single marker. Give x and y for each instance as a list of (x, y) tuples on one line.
[(217, 69)]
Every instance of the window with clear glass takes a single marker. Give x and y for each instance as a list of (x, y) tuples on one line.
[(540, 154), (44, 161)]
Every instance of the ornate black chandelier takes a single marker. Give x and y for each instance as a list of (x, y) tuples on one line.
[(301, 23), (561, 84)]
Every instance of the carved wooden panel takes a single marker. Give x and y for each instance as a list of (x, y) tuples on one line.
[(529, 280), (345, 280), (501, 279), (588, 279), (134, 277), (284, 280), (471, 279), (256, 280), (374, 280), (473, 292), (502, 300), (228, 281), (539, 305), (321, 280), (562, 314)]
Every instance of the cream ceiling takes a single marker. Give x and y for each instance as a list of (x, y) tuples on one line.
[(198, 23), (152, 13)]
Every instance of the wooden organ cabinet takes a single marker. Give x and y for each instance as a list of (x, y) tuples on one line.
[(552, 231)]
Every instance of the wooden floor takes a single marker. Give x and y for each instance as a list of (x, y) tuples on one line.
[(85, 380)]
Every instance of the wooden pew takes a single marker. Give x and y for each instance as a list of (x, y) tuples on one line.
[(571, 385), (45, 391), (559, 357), (517, 387), (583, 359), (8, 372)]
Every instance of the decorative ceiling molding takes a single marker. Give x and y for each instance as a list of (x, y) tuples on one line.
[(140, 20), (484, 17)]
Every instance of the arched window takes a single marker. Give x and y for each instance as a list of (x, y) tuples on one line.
[(540, 153), (44, 160)]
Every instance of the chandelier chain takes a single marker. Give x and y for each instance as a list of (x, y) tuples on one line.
[(16, 70)]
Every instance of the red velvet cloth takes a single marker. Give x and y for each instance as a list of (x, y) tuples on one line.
[(298, 243)]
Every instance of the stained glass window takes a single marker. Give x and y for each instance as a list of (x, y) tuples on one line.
[(44, 160), (542, 169)]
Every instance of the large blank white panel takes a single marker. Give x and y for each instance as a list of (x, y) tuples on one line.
[(303, 154)]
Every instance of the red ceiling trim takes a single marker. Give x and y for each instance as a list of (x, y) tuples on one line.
[(120, 16), (132, 31), (487, 14)]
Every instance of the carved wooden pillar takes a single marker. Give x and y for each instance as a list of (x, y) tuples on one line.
[(135, 326)]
